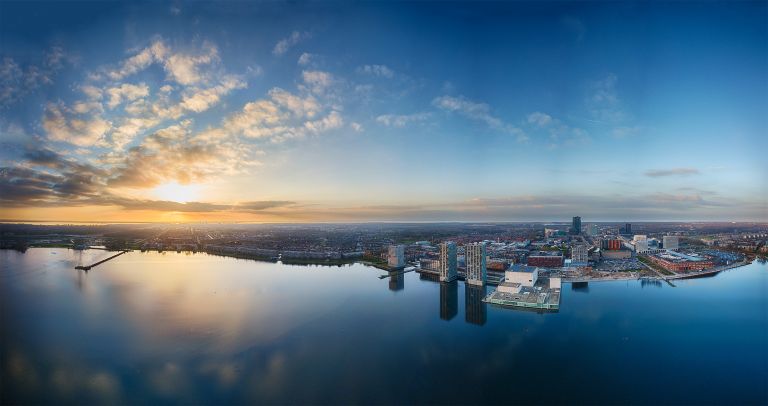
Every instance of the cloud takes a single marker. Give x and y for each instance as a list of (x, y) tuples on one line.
[(24, 187), (603, 100), (656, 173), (124, 92), (176, 154), (477, 111), (317, 81), (305, 59), (17, 81), (394, 120), (559, 132), (83, 132), (282, 46), (539, 119), (376, 70), (183, 68), (626, 131)]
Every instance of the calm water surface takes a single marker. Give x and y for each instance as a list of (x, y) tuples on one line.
[(182, 328)]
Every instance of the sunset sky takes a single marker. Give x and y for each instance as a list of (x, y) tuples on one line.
[(283, 112)]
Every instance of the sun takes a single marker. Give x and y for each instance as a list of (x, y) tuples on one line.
[(177, 193)]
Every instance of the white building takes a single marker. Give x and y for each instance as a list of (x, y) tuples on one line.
[(641, 246), (639, 237), (671, 242), (396, 256), (518, 276), (448, 262), (579, 253), (474, 255)]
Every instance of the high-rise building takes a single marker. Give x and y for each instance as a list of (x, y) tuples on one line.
[(671, 242), (576, 226), (580, 253), (627, 228), (448, 261), (592, 229), (474, 255), (396, 256)]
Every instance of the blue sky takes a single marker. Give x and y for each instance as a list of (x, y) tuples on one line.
[(247, 111)]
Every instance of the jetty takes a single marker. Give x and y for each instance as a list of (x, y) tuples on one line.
[(88, 267)]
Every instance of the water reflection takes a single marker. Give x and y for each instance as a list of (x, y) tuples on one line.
[(476, 310), (582, 287), (396, 281), (449, 300), (156, 329), (656, 283)]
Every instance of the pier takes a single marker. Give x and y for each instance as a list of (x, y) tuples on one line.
[(88, 267)]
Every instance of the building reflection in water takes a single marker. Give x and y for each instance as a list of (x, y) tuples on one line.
[(396, 281), (449, 300), (655, 283), (476, 310), (582, 287)]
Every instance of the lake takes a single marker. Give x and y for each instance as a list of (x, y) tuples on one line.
[(196, 328)]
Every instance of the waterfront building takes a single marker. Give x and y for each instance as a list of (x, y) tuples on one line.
[(396, 256), (431, 265), (576, 226), (522, 288), (675, 261), (580, 253), (448, 261), (671, 242), (474, 255)]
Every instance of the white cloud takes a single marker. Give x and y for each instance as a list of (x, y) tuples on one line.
[(539, 119), (126, 92), (329, 122), (285, 44), (394, 120), (377, 70), (317, 81), (299, 106), (356, 127), (16, 81), (477, 111), (305, 59), (183, 68), (626, 131), (199, 100), (559, 133), (76, 131), (603, 100)]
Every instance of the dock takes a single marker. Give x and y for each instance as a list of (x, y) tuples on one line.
[(88, 267)]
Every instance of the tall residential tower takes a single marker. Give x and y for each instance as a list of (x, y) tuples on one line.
[(475, 257), (448, 262)]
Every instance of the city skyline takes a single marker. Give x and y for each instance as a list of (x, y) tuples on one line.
[(277, 112)]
